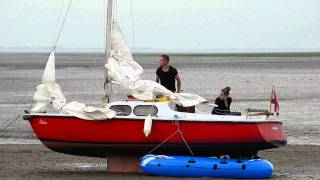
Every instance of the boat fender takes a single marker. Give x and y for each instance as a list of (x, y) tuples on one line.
[(147, 125)]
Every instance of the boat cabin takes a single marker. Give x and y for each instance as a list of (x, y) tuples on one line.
[(167, 110)]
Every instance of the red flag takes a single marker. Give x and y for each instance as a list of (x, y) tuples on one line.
[(275, 102)]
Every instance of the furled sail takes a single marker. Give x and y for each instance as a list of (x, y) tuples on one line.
[(123, 70), (49, 92), (82, 111)]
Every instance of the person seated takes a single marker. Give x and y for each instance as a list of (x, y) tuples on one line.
[(223, 102)]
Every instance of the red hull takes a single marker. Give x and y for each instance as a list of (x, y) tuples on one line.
[(125, 136)]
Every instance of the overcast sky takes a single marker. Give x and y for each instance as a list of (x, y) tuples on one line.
[(174, 25)]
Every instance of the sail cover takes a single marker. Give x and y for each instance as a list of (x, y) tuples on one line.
[(123, 70), (49, 92)]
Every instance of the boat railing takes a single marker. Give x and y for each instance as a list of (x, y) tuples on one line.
[(258, 112)]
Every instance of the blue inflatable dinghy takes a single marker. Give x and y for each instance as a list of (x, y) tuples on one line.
[(184, 166)]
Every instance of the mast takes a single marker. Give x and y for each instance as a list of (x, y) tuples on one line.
[(108, 48), (109, 27)]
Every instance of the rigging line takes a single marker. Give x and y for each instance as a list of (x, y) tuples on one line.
[(105, 26), (182, 137), (173, 134), (132, 26), (178, 131), (9, 124), (185, 142), (58, 20), (114, 10), (60, 31), (14, 119)]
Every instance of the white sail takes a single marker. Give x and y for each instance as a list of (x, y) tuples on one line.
[(123, 70), (121, 67), (48, 91), (49, 74), (82, 111)]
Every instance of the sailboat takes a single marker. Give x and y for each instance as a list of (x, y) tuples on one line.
[(143, 123)]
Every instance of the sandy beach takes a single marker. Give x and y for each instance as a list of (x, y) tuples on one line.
[(37, 162), (80, 75)]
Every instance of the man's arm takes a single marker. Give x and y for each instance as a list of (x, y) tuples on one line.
[(179, 83), (157, 79)]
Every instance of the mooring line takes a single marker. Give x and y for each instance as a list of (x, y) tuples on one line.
[(178, 131)]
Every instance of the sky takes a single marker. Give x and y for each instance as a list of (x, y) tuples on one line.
[(166, 25)]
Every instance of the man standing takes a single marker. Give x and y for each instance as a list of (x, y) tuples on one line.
[(167, 75)]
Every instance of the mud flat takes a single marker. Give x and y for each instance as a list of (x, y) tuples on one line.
[(251, 77), (37, 162), (296, 78)]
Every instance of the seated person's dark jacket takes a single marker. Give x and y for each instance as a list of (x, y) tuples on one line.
[(221, 107)]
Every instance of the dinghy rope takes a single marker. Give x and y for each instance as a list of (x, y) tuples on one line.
[(178, 131)]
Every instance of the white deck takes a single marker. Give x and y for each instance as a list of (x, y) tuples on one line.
[(166, 112)]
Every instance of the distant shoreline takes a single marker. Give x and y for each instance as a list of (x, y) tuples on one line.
[(241, 54)]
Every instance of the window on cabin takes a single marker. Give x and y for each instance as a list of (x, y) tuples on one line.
[(145, 110), (122, 110)]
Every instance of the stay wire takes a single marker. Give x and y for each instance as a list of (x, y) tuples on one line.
[(14, 119), (115, 11), (132, 25), (10, 123), (60, 31), (57, 24)]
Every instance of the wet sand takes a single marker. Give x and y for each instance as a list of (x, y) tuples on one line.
[(37, 162), (251, 78), (81, 78)]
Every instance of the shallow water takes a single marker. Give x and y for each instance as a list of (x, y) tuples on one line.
[(297, 82)]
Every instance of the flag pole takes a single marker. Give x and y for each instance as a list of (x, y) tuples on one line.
[(271, 98)]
